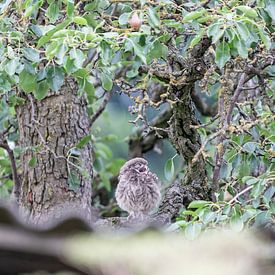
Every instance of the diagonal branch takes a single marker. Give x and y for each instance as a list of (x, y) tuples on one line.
[(101, 108), (235, 98), (15, 177)]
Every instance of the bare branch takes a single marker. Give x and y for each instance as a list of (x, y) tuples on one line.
[(101, 108), (15, 177), (239, 194), (235, 97)]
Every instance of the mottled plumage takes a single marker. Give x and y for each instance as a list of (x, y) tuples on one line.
[(138, 190)]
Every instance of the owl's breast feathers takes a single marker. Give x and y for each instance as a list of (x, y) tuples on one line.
[(138, 192)]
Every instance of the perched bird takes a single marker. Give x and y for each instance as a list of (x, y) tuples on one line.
[(138, 190)]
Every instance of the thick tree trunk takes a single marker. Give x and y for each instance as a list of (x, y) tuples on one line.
[(59, 180), (186, 140)]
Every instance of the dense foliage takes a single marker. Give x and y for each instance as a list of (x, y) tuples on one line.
[(42, 43)]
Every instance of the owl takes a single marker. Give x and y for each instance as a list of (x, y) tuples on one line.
[(138, 190)]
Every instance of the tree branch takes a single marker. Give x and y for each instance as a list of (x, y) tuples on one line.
[(235, 98), (15, 177), (101, 108), (140, 143)]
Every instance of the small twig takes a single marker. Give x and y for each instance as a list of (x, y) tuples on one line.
[(101, 108), (201, 150), (15, 177), (250, 88), (205, 124), (235, 97), (241, 193)]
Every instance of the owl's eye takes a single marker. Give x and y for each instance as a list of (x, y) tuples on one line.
[(142, 169)]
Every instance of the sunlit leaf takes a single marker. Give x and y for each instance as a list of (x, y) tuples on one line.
[(27, 81), (222, 54), (198, 204), (246, 10), (169, 169), (41, 90)]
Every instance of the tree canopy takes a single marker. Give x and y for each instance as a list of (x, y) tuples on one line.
[(204, 70)]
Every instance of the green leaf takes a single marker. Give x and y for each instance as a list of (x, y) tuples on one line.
[(264, 37), (243, 31), (269, 193), (27, 81), (157, 50), (197, 38), (250, 147), (52, 49), (153, 17), (138, 50), (236, 222), (246, 178), (198, 204), (46, 38), (70, 8), (270, 8), (106, 52), (252, 181), (78, 57), (169, 169), (215, 31), (89, 89), (247, 11), (11, 66), (106, 81), (241, 47), (73, 181), (61, 52), (55, 76), (42, 90), (229, 35), (124, 18), (53, 12), (80, 20), (257, 190), (83, 141), (192, 230), (243, 169), (222, 54), (227, 209), (208, 216), (32, 162), (31, 54), (31, 8), (193, 15)]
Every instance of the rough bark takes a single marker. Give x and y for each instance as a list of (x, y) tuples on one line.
[(184, 138), (49, 129), (187, 142)]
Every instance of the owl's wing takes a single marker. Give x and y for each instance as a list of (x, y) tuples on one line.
[(154, 178)]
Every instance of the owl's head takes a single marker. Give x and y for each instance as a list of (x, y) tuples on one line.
[(136, 166)]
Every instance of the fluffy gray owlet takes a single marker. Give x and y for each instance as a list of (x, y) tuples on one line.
[(138, 190)]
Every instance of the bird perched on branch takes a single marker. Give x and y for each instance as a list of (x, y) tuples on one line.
[(138, 190)]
